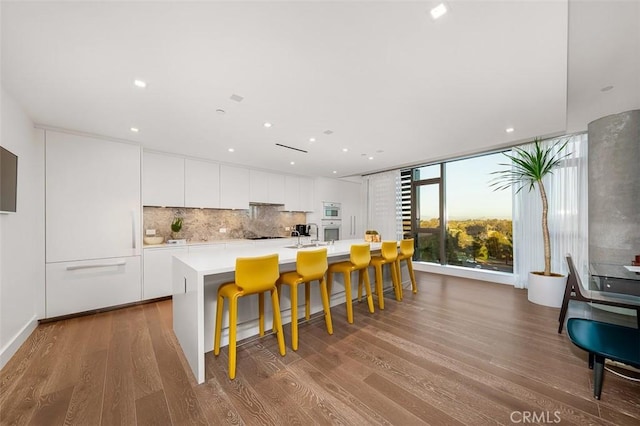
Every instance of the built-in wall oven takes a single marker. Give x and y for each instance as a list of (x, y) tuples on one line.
[(331, 211), (330, 230)]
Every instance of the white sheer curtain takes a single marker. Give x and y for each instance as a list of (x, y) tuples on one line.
[(384, 208), (568, 221)]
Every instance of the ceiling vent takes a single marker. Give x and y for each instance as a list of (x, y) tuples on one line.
[(328, 132), (236, 98), (290, 147)]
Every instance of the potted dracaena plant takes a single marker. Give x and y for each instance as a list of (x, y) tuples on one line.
[(527, 170)]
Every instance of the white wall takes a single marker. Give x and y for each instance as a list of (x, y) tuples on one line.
[(21, 233)]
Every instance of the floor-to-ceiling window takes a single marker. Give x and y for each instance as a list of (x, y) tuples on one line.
[(457, 218)]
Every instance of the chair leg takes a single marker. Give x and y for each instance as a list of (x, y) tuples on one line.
[(378, 269), (591, 360), (329, 282), (218, 331), (278, 319), (565, 305), (414, 287), (598, 373), (233, 321), (364, 274), (307, 301), (325, 304), (261, 313), (397, 285), (294, 316), (273, 322), (349, 302)]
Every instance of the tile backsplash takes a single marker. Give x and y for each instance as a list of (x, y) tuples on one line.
[(205, 224)]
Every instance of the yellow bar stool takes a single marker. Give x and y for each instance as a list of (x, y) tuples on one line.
[(310, 266), (388, 256), (359, 258), (254, 275), (407, 248)]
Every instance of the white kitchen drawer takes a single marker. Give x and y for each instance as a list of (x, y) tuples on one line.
[(92, 284), (157, 272)]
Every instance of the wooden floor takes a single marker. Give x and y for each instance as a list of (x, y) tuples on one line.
[(458, 352)]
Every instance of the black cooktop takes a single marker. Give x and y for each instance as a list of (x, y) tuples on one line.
[(262, 238)]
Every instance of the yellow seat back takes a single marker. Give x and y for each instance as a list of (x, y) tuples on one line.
[(257, 274), (407, 247), (312, 263), (389, 250), (360, 255)]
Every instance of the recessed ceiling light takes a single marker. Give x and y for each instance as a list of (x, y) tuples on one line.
[(267, 124), (135, 129), (220, 111), (231, 150), (509, 129), (438, 11), (345, 149), (139, 83), (370, 158), (312, 140), (236, 98), (606, 88), (334, 172), (292, 163), (328, 132)]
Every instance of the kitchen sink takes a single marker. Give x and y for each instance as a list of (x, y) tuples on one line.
[(307, 245)]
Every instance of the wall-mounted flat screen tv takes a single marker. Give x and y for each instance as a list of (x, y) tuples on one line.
[(8, 181)]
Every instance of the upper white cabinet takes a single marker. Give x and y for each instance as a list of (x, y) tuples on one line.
[(306, 194), (276, 188), (298, 194), (258, 186), (92, 198), (234, 187), (163, 180), (202, 184), (265, 187)]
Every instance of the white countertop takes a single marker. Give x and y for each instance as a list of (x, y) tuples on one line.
[(222, 257)]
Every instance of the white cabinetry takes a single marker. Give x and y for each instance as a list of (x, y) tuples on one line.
[(306, 195), (163, 180), (92, 223), (234, 187), (202, 184), (276, 188), (92, 198), (91, 284), (352, 210), (298, 194), (265, 187), (157, 271), (258, 186)]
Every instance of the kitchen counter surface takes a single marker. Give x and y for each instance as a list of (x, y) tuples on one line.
[(224, 260), (215, 242)]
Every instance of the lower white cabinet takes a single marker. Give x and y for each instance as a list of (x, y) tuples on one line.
[(86, 285), (157, 271)]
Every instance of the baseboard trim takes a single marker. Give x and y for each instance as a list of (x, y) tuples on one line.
[(14, 344), (461, 272)]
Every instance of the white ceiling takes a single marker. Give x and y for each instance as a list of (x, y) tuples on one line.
[(389, 81)]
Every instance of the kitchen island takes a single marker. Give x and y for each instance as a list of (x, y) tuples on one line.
[(197, 276)]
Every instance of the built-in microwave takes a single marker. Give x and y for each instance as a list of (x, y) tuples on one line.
[(331, 211)]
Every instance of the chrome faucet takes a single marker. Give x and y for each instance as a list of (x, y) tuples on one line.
[(298, 235), (317, 232)]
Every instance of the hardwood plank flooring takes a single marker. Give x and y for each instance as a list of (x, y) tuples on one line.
[(458, 352)]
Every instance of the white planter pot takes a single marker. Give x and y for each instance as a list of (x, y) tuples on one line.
[(547, 291)]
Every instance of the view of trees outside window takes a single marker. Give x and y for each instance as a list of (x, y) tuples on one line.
[(478, 220)]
